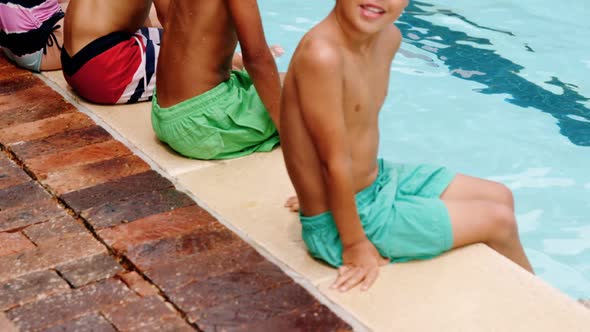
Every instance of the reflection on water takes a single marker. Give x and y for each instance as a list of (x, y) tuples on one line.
[(489, 68)]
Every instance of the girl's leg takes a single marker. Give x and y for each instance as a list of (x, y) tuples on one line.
[(51, 60)]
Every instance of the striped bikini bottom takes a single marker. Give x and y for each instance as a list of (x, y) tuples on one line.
[(26, 49)]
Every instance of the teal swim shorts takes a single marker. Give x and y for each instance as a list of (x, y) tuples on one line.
[(401, 212), (228, 121)]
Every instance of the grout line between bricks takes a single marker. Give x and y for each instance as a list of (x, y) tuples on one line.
[(121, 259), (100, 314), (344, 314)]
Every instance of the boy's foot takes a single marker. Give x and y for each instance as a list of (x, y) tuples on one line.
[(238, 63)]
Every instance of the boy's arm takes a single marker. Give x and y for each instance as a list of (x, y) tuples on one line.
[(258, 59), (162, 10), (320, 81)]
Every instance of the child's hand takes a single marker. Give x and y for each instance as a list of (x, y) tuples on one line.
[(361, 264), (292, 204)]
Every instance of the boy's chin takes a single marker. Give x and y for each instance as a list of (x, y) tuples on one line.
[(374, 27)]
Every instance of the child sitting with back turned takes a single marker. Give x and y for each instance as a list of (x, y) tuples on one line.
[(202, 109), (359, 212)]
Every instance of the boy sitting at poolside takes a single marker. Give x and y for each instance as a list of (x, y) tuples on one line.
[(359, 212), (109, 57), (202, 109)]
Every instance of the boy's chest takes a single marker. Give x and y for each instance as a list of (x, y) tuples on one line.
[(365, 89)]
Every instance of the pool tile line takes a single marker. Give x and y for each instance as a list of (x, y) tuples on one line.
[(184, 242)]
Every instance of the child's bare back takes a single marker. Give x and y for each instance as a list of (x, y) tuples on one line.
[(88, 20)]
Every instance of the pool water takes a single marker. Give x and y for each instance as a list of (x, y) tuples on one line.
[(494, 89)]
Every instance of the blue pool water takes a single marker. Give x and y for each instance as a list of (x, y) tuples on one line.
[(494, 89)]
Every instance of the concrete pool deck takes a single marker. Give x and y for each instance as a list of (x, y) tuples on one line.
[(471, 289)]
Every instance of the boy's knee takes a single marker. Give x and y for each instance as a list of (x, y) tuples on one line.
[(504, 195), (503, 226)]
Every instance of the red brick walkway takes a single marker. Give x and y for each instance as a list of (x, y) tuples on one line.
[(92, 239)]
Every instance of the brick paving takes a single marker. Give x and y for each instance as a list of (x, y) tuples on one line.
[(92, 239)]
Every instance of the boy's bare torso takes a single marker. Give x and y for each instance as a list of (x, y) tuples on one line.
[(87, 20), (208, 38), (364, 86)]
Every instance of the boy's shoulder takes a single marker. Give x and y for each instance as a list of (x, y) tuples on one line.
[(315, 51)]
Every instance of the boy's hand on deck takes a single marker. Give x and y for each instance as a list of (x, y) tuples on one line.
[(292, 204), (361, 266)]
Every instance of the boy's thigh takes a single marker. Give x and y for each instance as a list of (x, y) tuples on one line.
[(465, 187), (475, 221), (420, 228)]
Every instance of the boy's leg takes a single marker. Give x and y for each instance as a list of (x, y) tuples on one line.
[(489, 222), (465, 187)]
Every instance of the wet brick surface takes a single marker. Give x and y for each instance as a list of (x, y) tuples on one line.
[(90, 269), (29, 287), (60, 142), (44, 128), (11, 243), (90, 154), (84, 176), (135, 315), (94, 240), (138, 284), (115, 190), (60, 228), (136, 207), (48, 255), (89, 323), (10, 173), (29, 105), (34, 212), (26, 193), (65, 306)]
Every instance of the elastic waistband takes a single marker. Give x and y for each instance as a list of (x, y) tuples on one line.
[(362, 199), (71, 64), (186, 106)]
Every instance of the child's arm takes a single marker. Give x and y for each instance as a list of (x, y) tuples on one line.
[(258, 59), (161, 10), (319, 80)]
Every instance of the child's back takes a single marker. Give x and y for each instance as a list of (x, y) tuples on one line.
[(202, 109), (208, 28), (88, 20), (109, 56)]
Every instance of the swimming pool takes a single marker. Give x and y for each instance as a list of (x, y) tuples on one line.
[(494, 89)]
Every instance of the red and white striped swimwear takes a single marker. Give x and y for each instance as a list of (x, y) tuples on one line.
[(117, 68)]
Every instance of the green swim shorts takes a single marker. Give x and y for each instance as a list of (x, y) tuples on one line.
[(401, 213), (228, 121)]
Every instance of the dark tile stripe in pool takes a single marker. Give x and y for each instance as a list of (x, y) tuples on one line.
[(498, 73)]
